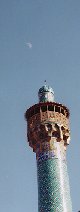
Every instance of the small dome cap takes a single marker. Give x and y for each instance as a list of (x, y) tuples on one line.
[(46, 94)]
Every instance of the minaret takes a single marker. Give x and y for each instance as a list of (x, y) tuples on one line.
[(49, 135)]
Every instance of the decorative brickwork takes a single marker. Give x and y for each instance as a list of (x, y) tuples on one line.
[(46, 126)]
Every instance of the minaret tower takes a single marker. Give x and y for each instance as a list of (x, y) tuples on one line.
[(49, 135)]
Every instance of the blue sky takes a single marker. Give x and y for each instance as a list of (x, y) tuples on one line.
[(39, 39)]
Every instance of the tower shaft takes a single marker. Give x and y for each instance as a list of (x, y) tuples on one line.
[(53, 183)]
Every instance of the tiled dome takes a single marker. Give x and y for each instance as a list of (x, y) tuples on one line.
[(46, 94)]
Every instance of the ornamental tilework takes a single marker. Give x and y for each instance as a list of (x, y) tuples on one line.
[(51, 195), (50, 149)]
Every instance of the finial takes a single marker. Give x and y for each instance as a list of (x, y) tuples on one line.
[(45, 82)]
